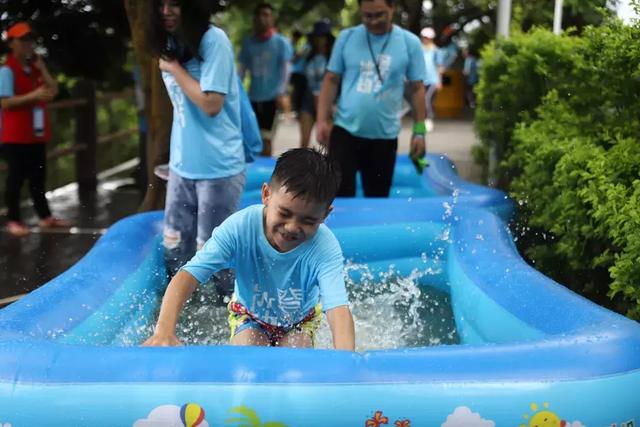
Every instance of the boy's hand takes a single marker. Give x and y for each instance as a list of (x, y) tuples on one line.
[(157, 340)]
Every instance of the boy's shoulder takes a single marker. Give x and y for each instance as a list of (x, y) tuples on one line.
[(325, 239)]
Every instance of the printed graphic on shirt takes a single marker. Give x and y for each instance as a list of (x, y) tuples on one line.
[(177, 98), (369, 81), (290, 300), (289, 304)]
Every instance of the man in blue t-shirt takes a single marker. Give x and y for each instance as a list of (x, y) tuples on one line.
[(266, 56), (288, 264), (371, 63)]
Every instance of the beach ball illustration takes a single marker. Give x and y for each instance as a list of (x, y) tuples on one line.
[(191, 414)]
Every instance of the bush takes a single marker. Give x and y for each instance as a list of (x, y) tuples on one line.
[(578, 165), (516, 74)]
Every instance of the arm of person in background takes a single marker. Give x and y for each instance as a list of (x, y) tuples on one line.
[(283, 86), (342, 329), (327, 97), (209, 102), (178, 292), (285, 74), (9, 100), (47, 78), (418, 146)]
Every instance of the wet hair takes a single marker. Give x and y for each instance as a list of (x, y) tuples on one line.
[(185, 44), (389, 3), (260, 6), (308, 174)]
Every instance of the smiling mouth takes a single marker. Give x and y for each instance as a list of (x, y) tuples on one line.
[(289, 237)]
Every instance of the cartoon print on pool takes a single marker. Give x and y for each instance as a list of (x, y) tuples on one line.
[(544, 417)]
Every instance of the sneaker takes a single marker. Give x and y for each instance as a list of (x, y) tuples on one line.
[(52, 222), (428, 124), (17, 229)]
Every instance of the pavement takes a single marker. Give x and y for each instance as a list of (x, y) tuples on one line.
[(29, 262)]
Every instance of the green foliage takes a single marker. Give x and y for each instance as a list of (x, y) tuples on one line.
[(575, 162), (249, 418), (515, 74)]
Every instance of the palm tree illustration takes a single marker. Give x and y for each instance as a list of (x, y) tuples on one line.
[(247, 417)]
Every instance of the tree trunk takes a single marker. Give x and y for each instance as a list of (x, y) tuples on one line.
[(413, 9), (157, 106)]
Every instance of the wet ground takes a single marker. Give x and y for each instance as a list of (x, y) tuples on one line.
[(29, 262)]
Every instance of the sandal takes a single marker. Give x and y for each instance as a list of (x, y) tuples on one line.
[(17, 229)]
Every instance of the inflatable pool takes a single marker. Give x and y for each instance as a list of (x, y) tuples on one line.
[(531, 352)]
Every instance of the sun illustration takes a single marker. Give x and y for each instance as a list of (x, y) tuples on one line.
[(542, 417)]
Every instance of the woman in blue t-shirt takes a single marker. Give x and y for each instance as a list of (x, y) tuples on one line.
[(207, 161), (321, 42)]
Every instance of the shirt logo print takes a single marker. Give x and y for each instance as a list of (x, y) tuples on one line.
[(290, 300), (368, 81), (177, 98)]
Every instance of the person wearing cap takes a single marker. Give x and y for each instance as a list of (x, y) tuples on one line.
[(432, 82), (25, 88), (266, 56), (321, 42), (448, 52), (370, 64)]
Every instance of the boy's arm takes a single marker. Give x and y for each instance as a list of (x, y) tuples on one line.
[(179, 290), (342, 329)]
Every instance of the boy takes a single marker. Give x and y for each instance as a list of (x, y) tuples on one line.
[(286, 261)]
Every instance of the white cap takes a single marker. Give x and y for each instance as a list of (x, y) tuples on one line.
[(428, 33)]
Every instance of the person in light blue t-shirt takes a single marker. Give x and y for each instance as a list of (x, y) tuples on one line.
[(432, 81), (289, 265), (266, 56), (371, 64), (207, 159)]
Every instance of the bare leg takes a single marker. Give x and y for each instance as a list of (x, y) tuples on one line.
[(250, 337), (306, 124), (296, 339)]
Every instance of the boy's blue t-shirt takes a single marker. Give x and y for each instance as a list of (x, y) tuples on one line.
[(204, 147), (367, 107), (266, 61), (278, 288)]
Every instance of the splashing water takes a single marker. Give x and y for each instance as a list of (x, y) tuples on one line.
[(389, 311)]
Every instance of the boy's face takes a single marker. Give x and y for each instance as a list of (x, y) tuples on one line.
[(289, 221)]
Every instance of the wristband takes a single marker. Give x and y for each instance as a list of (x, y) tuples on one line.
[(419, 128)]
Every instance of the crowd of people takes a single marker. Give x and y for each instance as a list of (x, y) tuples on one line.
[(278, 263)]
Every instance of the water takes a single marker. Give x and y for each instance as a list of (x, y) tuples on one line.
[(389, 312)]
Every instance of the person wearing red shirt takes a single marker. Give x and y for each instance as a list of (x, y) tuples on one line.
[(25, 87)]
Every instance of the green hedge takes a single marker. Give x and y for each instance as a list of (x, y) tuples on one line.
[(572, 154)]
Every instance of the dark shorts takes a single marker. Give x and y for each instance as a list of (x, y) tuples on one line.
[(375, 159), (299, 84), (308, 103), (265, 113)]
